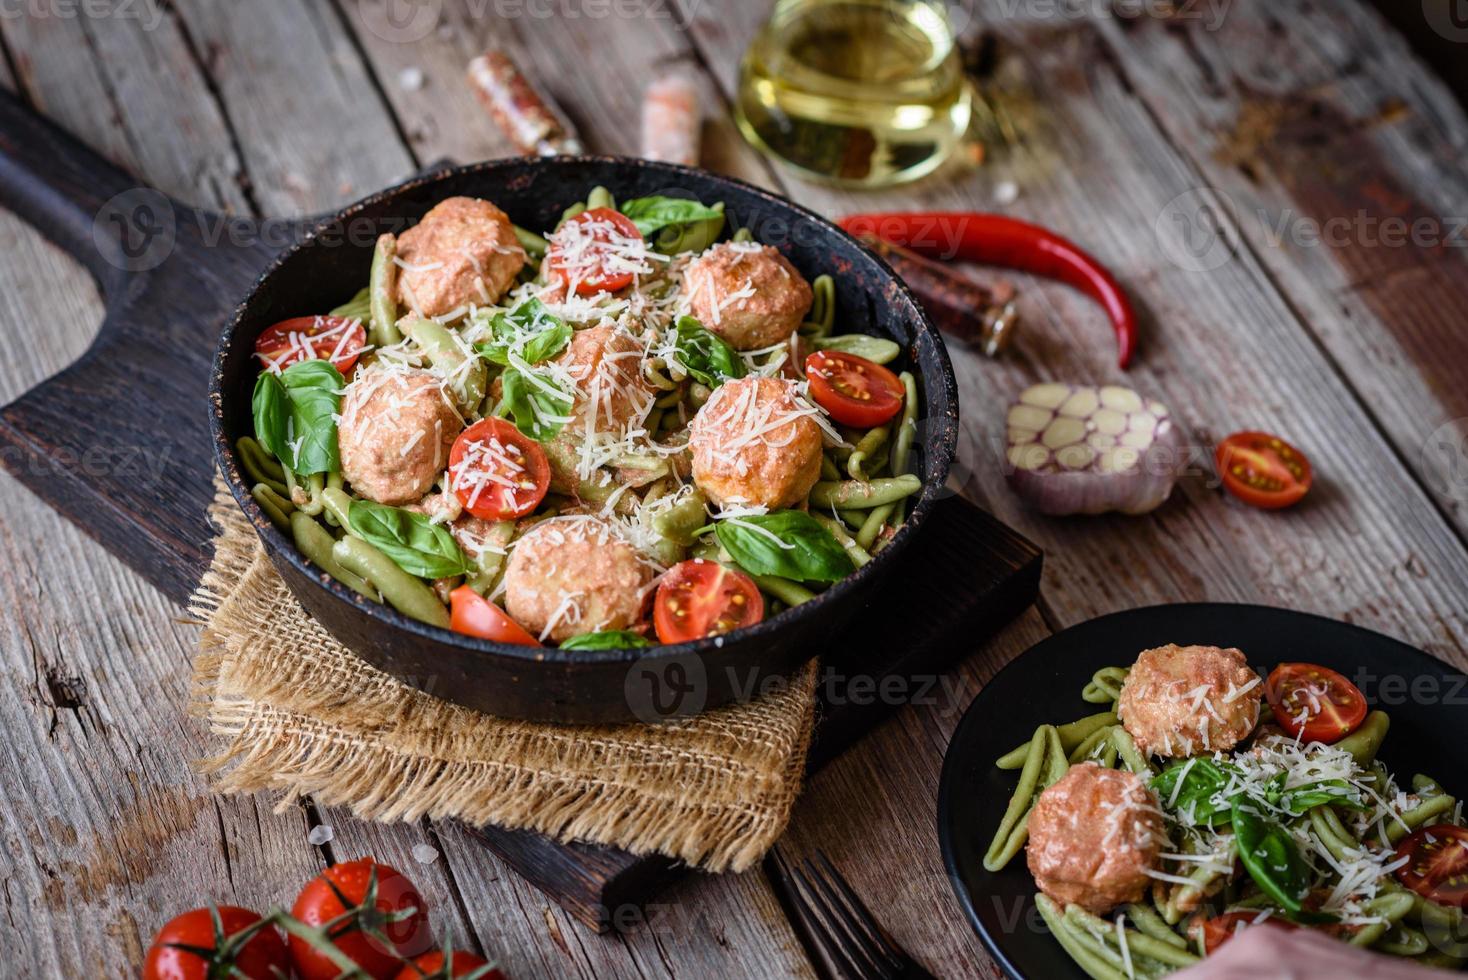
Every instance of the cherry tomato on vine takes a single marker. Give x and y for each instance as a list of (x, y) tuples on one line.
[(194, 946), (392, 921)]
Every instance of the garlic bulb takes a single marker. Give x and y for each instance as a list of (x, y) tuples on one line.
[(1078, 449)]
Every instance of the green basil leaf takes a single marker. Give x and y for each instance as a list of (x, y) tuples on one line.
[(607, 640), (1334, 792), (315, 390), (533, 331), (786, 543), (652, 214), (537, 405), (1202, 781), (271, 407), (419, 546), (705, 356), (1272, 859)]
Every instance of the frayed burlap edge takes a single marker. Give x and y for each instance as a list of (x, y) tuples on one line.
[(303, 716)]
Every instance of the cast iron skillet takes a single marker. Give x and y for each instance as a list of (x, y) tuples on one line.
[(1423, 696), (331, 263)]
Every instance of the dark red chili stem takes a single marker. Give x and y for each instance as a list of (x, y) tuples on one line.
[(994, 239)]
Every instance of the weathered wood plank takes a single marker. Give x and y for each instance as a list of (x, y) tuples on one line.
[(1340, 168)]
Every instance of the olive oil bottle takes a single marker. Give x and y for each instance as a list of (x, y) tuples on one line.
[(861, 92)]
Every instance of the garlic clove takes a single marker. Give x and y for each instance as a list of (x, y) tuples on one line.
[(1029, 417), (1045, 395), (1064, 432), (1080, 404), (1121, 399)]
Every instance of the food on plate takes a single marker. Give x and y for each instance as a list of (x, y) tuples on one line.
[(624, 430), (1263, 470), (1179, 701), (224, 940), (1158, 829), (1079, 449)]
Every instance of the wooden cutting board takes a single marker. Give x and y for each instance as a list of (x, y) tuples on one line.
[(119, 444)]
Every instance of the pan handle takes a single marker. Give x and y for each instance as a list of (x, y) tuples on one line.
[(88, 207)]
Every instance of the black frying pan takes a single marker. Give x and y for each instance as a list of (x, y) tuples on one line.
[(331, 263)]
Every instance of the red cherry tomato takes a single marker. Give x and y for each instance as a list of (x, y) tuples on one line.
[(430, 966), (1263, 470), (1437, 864), (498, 472), (473, 615), (1221, 928), (701, 598), (261, 957), (326, 338), (1314, 703), (589, 251), (399, 914), (854, 390)]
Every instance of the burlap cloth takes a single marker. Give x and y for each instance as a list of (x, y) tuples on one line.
[(302, 715)]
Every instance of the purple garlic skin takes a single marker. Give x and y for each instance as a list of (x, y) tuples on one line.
[(1080, 449)]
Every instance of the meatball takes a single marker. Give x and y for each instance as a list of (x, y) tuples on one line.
[(463, 251), (396, 430), (1093, 835), (605, 365), (748, 294), (573, 575), (1180, 701), (756, 443)]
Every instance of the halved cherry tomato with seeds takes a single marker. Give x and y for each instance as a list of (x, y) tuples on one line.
[(587, 250), (1437, 864), (194, 946), (473, 615), (1263, 470), (430, 966), (854, 390), (1221, 928), (326, 338), (498, 472), (392, 921), (700, 598), (1314, 703)]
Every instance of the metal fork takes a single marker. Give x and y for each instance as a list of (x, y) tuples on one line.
[(833, 919)]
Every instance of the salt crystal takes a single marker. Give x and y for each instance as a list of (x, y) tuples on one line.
[(411, 79), (320, 834), (1006, 192), (425, 853)]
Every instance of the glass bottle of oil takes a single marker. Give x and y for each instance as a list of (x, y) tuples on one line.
[(862, 92)]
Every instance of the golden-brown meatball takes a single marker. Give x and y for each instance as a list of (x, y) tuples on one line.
[(1180, 701), (746, 293), (1093, 835), (395, 434), (756, 443), (573, 575), (605, 365), (463, 251)]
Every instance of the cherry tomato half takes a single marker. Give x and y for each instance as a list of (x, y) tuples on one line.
[(1263, 470), (261, 957), (1221, 928), (497, 471), (1437, 864), (399, 914), (589, 252), (473, 615), (430, 966), (1314, 703), (305, 338), (699, 598), (854, 390)]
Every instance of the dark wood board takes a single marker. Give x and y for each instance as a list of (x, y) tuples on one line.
[(137, 476)]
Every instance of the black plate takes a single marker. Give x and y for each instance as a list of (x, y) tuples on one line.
[(1424, 696)]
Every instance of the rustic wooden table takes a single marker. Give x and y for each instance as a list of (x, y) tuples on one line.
[(1281, 185)]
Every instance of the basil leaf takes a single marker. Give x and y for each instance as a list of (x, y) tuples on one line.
[(315, 390), (786, 543), (537, 405), (1272, 859), (652, 214), (607, 640), (548, 334), (705, 356), (1333, 792), (271, 407), (1202, 781), (419, 546)]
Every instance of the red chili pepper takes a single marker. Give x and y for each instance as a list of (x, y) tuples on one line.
[(994, 239)]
